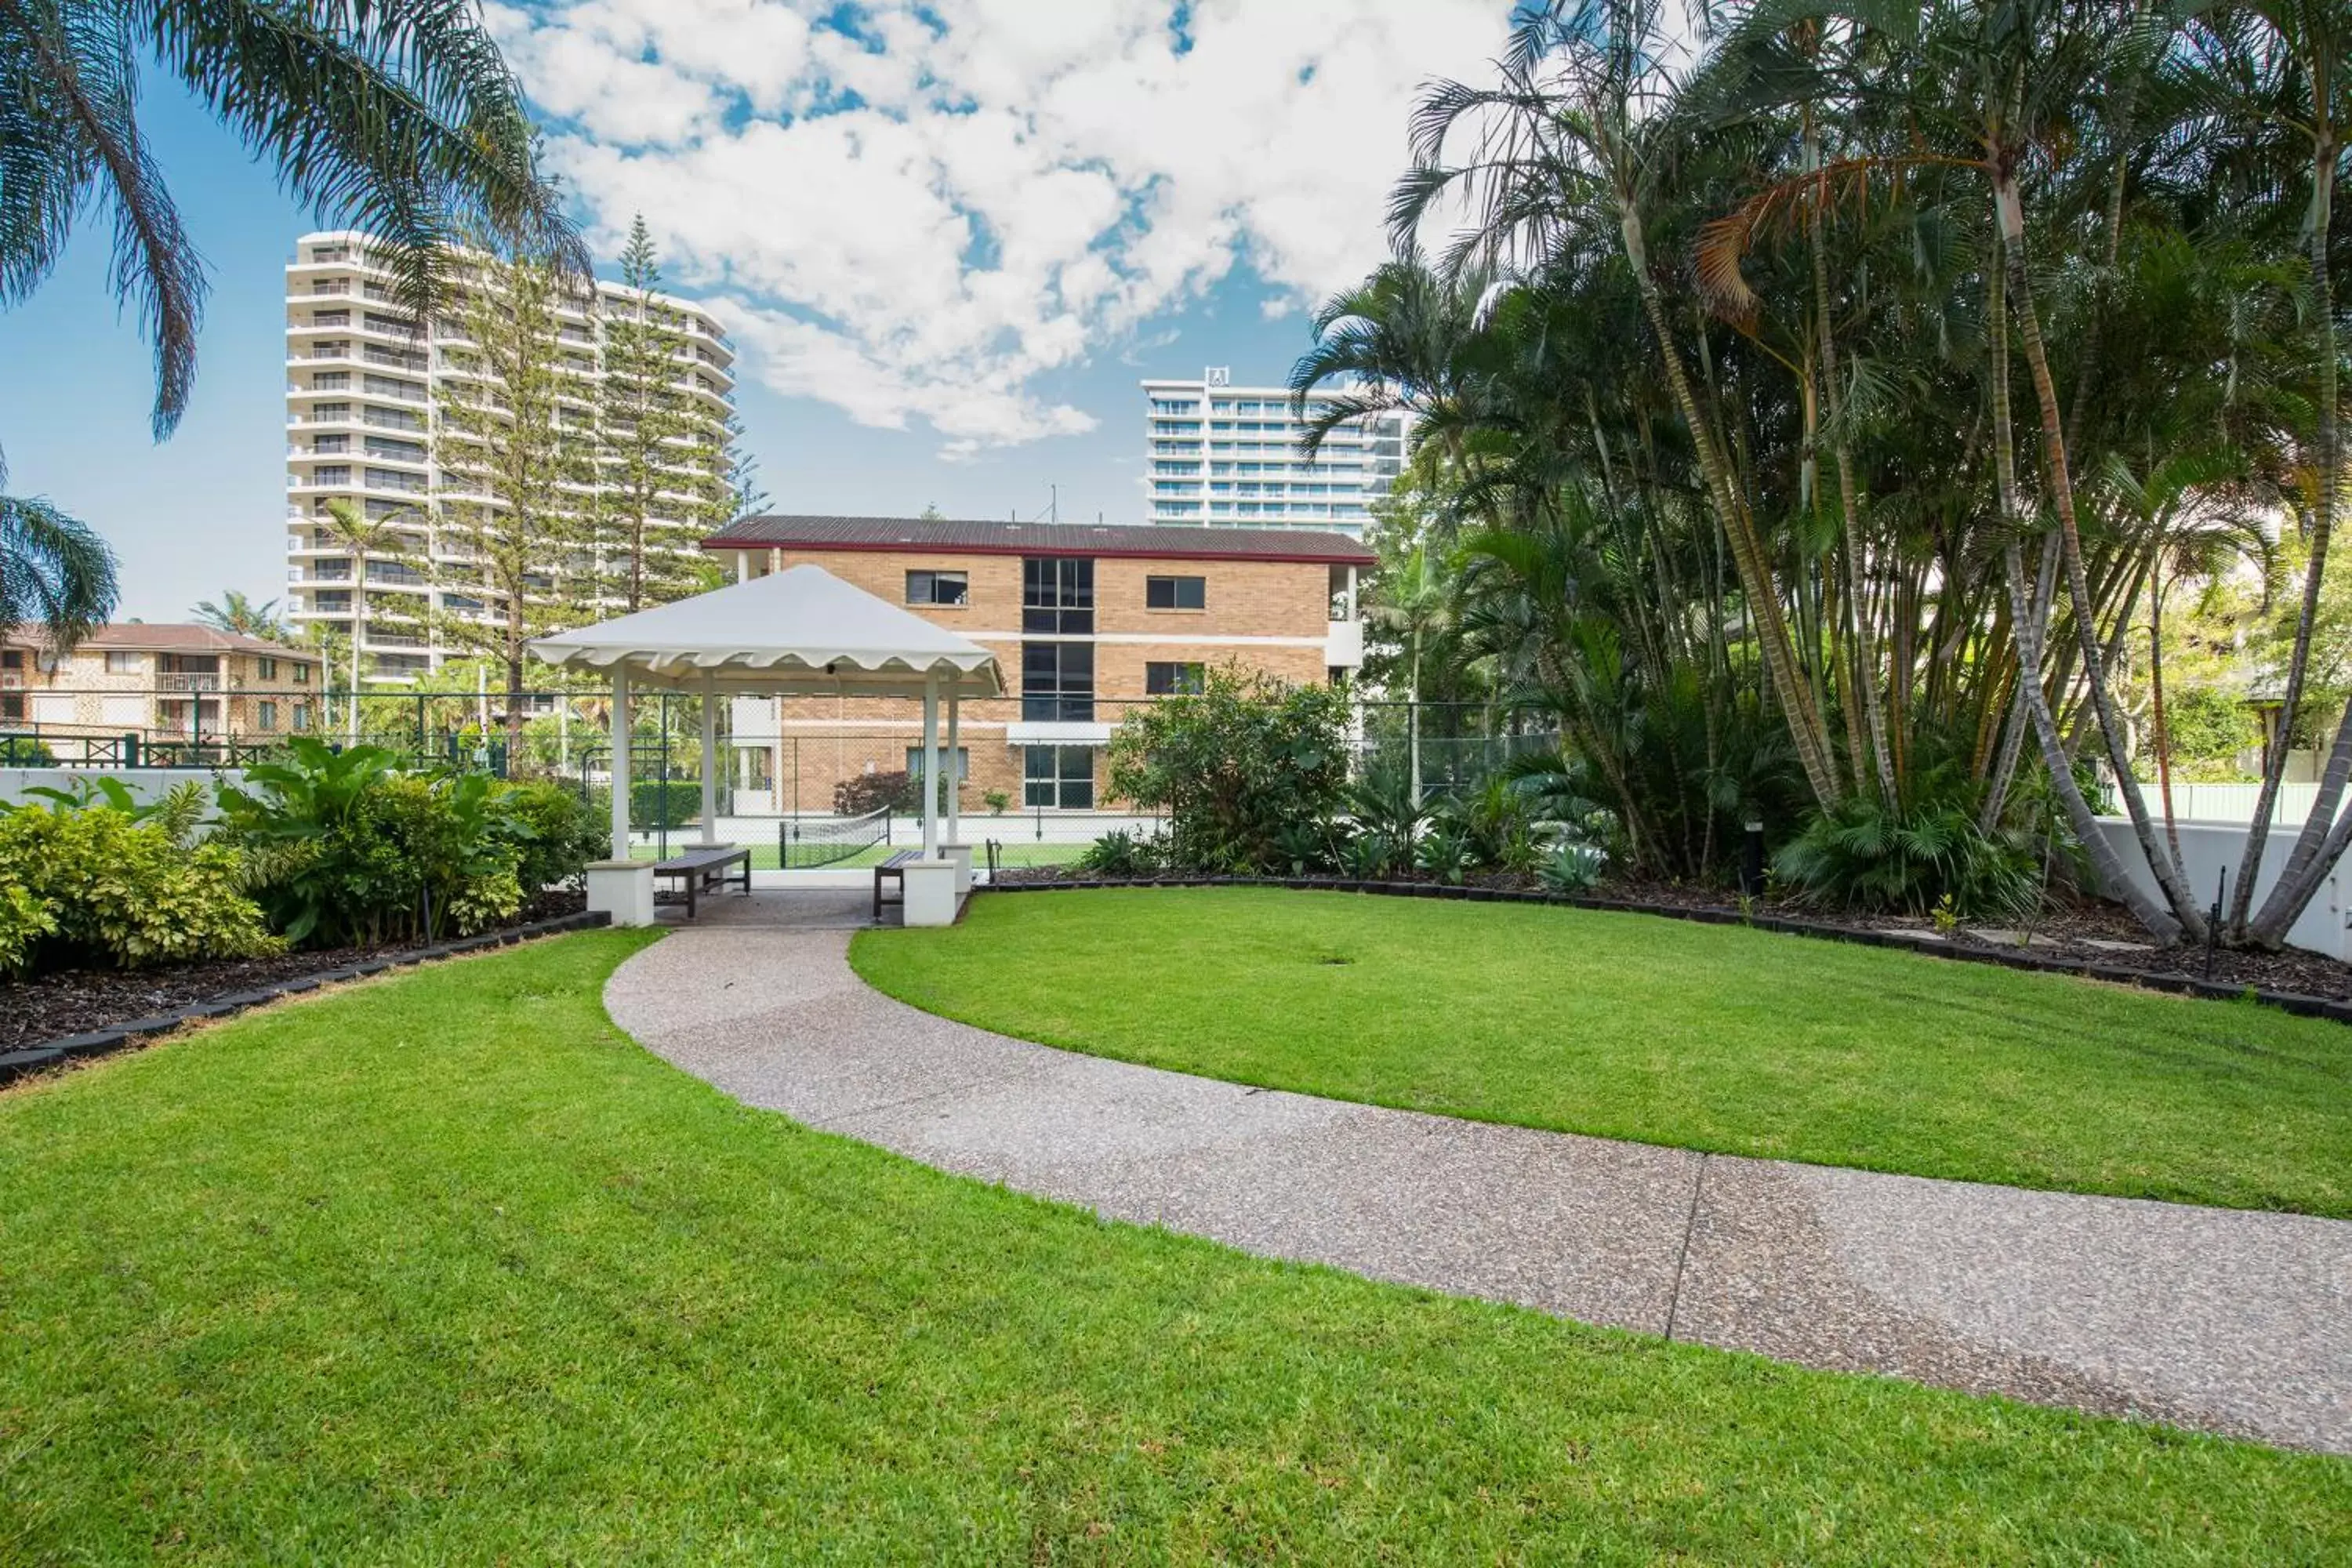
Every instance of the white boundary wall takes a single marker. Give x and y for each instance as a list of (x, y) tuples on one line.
[(2208, 848), (146, 783)]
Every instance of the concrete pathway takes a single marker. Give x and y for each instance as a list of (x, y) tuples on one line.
[(2218, 1319)]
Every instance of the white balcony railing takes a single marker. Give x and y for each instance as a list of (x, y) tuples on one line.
[(181, 680)]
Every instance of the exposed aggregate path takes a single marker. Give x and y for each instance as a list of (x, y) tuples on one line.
[(2218, 1319)]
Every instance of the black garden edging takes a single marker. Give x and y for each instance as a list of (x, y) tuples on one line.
[(100, 1042), (2175, 984)]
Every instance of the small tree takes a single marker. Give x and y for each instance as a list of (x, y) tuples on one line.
[(1234, 766), (516, 454)]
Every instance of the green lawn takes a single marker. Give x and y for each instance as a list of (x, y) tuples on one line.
[(444, 1269), (1711, 1038)]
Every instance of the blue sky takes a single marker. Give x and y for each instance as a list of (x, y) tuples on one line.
[(949, 239)]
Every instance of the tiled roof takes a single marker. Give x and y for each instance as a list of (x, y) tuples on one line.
[(175, 636), (967, 536)]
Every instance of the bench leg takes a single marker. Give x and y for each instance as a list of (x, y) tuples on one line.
[(693, 886)]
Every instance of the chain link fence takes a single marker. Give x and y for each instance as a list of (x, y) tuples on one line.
[(1033, 771)]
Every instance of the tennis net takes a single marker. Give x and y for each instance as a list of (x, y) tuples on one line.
[(805, 843)]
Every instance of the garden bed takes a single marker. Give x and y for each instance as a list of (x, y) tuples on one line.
[(74, 1003), (2085, 937)]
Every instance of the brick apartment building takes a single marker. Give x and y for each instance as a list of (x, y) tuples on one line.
[(1085, 621), (168, 681)]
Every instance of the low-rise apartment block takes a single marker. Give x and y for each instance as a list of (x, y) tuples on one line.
[(1085, 621), (166, 683)]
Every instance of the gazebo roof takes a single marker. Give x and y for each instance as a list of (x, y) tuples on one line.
[(799, 633)]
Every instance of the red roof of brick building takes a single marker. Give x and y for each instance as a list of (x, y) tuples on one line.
[(974, 537)]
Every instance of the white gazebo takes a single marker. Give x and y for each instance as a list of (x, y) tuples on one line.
[(800, 633)]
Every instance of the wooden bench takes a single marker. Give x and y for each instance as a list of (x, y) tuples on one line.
[(895, 869), (705, 869)]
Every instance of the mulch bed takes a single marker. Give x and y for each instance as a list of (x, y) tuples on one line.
[(76, 1001), (2067, 933)]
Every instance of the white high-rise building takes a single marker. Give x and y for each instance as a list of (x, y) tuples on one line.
[(360, 408), (1226, 454)]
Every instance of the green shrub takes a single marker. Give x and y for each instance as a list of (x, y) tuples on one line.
[(25, 920), (1862, 854), (2206, 730), (1371, 857), (554, 834), (656, 803), (94, 883), (26, 751), (345, 850), (1234, 766)]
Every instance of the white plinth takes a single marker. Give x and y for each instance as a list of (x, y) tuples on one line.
[(931, 896), (625, 888), (962, 855)]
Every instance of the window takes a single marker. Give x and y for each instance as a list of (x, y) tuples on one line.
[(963, 763), (265, 714), (332, 474), (301, 677), (301, 714), (1057, 595), (265, 669), (1057, 682), (331, 381), (1172, 679), (321, 412), (122, 663), (1176, 593), (937, 587), (1059, 776)]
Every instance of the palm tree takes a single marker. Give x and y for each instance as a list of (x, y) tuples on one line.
[(240, 616), (1415, 601), (397, 116), (362, 536), (1564, 162), (54, 572)]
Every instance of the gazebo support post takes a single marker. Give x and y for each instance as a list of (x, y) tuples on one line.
[(620, 762), (710, 756), (955, 771), (955, 848), (930, 766), (621, 887)]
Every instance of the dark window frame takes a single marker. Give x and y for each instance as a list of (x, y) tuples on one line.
[(1057, 594), (1174, 678), (962, 761), (1066, 693), (1063, 788), (1174, 591), (931, 581)]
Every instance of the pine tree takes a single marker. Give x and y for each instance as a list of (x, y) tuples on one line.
[(665, 459), (516, 448)]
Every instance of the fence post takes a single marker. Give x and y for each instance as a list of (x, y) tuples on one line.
[(420, 726)]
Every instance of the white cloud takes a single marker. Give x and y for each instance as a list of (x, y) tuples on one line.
[(918, 220)]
